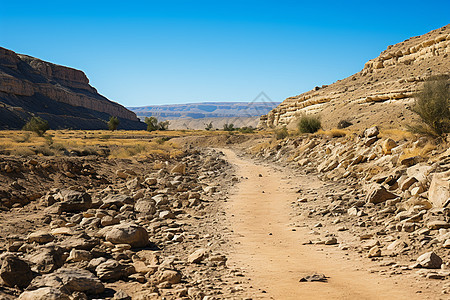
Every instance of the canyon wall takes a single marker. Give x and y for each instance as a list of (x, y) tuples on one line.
[(381, 93), (34, 85)]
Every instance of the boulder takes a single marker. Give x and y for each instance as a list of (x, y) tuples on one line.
[(150, 181), (406, 184), (15, 272), (40, 237), (47, 259), (170, 276), (146, 206), (112, 270), (73, 201), (198, 255), (439, 191), (419, 171), (45, 293), (69, 280), (117, 200), (429, 260), (371, 132), (375, 251), (387, 146), (179, 169), (438, 224), (127, 233), (379, 194), (79, 255)]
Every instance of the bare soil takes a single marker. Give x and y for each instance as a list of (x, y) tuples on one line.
[(269, 239)]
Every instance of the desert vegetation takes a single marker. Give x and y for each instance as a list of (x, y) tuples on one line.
[(113, 123), (432, 104), (153, 124), (37, 125), (308, 124)]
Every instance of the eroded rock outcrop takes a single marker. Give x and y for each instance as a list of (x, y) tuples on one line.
[(380, 93), (61, 95)]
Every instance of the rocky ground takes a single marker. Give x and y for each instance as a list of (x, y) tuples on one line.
[(98, 228), (385, 199), (85, 228)]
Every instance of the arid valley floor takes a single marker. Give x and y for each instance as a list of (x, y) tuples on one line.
[(195, 215)]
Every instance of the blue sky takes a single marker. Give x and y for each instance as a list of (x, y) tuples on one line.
[(160, 52)]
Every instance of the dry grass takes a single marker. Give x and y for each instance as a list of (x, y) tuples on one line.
[(119, 144), (333, 133), (418, 151), (396, 134)]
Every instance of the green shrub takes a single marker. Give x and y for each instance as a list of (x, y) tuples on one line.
[(432, 104), (37, 125), (281, 133), (228, 127), (209, 126), (113, 123), (308, 124), (246, 129), (153, 124)]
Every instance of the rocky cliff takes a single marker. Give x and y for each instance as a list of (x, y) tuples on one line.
[(61, 95), (380, 93)]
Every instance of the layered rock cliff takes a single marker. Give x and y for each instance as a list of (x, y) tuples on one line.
[(62, 95), (380, 93)]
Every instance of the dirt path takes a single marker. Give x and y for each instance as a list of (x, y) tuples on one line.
[(271, 253)]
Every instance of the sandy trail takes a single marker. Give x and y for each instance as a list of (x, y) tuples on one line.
[(272, 254)]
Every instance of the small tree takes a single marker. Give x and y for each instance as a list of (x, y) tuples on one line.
[(209, 126), (432, 104), (113, 123), (308, 124), (163, 125), (152, 123), (228, 127), (38, 125)]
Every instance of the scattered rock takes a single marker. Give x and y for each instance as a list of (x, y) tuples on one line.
[(197, 256), (429, 260), (379, 194), (15, 272), (314, 277), (45, 293), (127, 233)]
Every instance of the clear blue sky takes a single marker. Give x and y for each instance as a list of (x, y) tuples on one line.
[(157, 52)]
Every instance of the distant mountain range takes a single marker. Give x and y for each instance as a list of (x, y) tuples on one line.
[(205, 110)]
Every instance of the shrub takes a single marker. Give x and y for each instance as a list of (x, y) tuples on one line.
[(164, 125), (228, 127), (432, 104), (113, 123), (153, 124), (37, 125), (246, 129), (308, 124), (209, 126), (281, 133)]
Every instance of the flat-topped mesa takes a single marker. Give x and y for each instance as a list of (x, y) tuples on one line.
[(380, 93), (23, 75)]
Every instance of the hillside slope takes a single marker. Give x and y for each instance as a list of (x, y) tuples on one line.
[(61, 95), (380, 93)]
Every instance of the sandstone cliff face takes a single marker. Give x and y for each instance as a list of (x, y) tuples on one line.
[(24, 79), (379, 94)]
